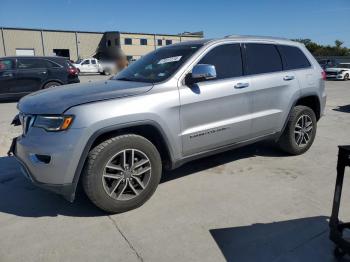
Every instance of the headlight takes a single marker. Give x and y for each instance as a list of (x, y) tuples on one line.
[(53, 123), (340, 72)]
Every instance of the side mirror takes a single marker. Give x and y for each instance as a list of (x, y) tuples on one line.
[(202, 72)]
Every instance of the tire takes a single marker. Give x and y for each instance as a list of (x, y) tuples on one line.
[(346, 77), (106, 72), (125, 193), (51, 84), (292, 134)]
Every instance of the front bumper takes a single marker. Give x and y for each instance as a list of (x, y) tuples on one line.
[(57, 174), (340, 76), (67, 191)]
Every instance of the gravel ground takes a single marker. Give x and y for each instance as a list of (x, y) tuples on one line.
[(249, 204)]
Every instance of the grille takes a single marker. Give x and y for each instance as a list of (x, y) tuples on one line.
[(26, 121), (332, 73)]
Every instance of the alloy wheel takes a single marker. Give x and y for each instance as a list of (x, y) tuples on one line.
[(303, 130), (126, 174)]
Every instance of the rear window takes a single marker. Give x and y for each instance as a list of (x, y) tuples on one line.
[(30, 63), (293, 57), (262, 58), (51, 64)]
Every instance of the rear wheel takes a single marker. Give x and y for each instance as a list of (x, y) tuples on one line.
[(300, 131), (51, 84), (122, 173)]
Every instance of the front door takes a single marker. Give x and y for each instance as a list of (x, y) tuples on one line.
[(85, 66), (216, 112)]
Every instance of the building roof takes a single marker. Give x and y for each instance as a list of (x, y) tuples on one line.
[(185, 34)]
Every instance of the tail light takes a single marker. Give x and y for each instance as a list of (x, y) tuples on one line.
[(72, 71), (324, 76)]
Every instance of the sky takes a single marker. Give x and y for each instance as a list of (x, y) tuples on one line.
[(323, 21)]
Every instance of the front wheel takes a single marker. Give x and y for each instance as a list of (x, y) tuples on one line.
[(300, 131), (122, 173), (346, 77)]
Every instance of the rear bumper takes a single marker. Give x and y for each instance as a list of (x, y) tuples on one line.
[(74, 80)]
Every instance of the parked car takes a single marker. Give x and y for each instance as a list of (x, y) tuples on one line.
[(22, 75), (176, 104), (92, 65), (325, 63), (340, 72)]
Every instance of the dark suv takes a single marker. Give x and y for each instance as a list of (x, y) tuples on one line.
[(22, 75)]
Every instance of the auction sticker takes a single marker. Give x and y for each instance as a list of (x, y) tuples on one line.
[(169, 59)]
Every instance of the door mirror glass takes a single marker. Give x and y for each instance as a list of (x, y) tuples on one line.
[(201, 72)]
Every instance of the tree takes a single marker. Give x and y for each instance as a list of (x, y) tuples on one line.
[(321, 50)]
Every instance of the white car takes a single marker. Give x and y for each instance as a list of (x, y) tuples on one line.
[(341, 72), (92, 65)]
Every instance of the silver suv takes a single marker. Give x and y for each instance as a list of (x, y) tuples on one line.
[(176, 104)]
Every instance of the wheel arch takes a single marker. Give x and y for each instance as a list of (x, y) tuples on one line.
[(51, 80), (148, 129), (311, 100)]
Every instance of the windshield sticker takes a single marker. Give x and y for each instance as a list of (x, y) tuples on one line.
[(170, 59)]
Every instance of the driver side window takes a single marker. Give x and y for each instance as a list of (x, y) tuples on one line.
[(227, 60)]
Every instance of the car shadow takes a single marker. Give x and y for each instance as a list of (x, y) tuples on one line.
[(264, 149), (344, 109), (19, 197), (304, 239)]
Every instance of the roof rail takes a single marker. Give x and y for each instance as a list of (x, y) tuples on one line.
[(257, 37)]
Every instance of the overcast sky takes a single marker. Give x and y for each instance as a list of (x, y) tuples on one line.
[(320, 20)]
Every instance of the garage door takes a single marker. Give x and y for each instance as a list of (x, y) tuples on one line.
[(24, 52)]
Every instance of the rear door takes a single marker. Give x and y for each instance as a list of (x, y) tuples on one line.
[(216, 112), (7, 76), (31, 74), (272, 88), (94, 66)]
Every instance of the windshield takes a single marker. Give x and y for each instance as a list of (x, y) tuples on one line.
[(78, 61), (343, 66), (158, 65)]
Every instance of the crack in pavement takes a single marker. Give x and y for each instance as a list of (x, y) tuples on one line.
[(126, 239)]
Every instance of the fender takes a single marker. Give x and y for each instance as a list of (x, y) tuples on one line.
[(105, 130)]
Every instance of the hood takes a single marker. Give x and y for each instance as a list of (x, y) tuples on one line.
[(58, 99)]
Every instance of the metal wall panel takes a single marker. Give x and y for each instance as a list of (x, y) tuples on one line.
[(26, 39), (88, 43), (60, 40)]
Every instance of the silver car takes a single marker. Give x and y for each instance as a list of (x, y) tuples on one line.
[(176, 104)]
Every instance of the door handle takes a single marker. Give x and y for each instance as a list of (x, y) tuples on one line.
[(288, 78), (7, 75), (241, 85), (43, 73)]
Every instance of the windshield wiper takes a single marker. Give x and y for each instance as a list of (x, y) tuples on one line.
[(124, 79)]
